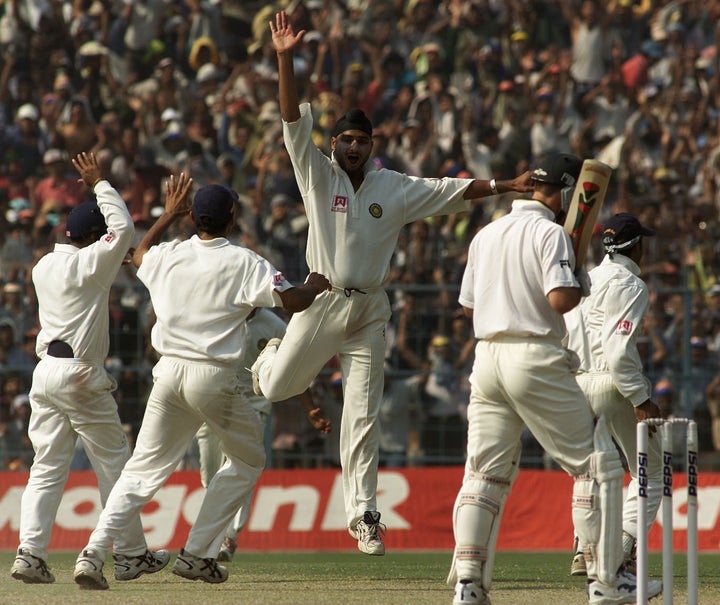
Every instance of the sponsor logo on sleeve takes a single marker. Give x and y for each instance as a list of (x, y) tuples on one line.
[(624, 327), (340, 204), (278, 279), (109, 236), (564, 263)]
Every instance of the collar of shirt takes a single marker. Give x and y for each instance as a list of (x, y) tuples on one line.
[(532, 206), (216, 242), (66, 248), (622, 260)]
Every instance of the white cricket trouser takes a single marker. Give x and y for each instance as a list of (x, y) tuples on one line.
[(211, 459), (71, 399), (184, 395), (605, 399), (517, 382), (352, 327)]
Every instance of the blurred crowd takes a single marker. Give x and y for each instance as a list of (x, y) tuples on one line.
[(468, 88)]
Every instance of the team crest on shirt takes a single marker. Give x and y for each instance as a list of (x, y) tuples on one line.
[(624, 327), (375, 210), (339, 204)]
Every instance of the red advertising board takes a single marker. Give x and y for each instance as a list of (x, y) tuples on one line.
[(303, 510)]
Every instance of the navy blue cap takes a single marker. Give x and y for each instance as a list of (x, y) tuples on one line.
[(622, 231), (84, 220), (213, 205)]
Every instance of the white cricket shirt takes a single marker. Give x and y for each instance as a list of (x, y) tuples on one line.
[(513, 263), (202, 291), (353, 234), (73, 284), (603, 330)]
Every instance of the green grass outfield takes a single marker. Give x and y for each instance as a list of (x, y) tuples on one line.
[(341, 579)]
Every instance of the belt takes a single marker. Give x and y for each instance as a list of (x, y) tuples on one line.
[(60, 349), (349, 291)]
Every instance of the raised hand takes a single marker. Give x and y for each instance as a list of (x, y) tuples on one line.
[(86, 164), (283, 37), (176, 194)]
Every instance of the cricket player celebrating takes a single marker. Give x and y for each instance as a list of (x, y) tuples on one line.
[(519, 280), (603, 331), (202, 290), (71, 394), (356, 213)]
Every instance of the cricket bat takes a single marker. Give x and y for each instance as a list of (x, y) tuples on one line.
[(585, 205)]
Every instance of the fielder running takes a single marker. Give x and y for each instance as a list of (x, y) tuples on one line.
[(71, 394), (202, 290), (519, 280), (356, 213), (262, 325), (603, 331)]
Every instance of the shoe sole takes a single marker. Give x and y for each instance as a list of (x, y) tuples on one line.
[(142, 572), (201, 578), (19, 575), (372, 554), (88, 583)]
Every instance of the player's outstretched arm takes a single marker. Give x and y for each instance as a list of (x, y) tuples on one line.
[(176, 207), (484, 188), (284, 41), (300, 298)]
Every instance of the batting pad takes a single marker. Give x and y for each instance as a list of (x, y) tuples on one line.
[(597, 508), (476, 522)]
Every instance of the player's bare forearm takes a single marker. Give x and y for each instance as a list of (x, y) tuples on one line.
[(176, 207), (300, 298), (564, 299), (284, 41), (482, 188)]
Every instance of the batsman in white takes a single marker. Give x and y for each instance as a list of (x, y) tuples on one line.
[(519, 280), (262, 325), (603, 331), (71, 394), (202, 289), (356, 213)]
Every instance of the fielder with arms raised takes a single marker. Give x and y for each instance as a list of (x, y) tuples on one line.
[(71, 394), (356, 213), (519, 280)]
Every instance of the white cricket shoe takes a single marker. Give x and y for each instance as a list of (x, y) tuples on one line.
[(30, 569), (88, 571), (191, 567), (578, 567), (623, 591), (369, 533), (469, 593), (130, 568), (227, 550), (272, 343)]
